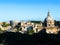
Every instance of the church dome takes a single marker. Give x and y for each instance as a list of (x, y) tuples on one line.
[(49, 22), (49, 18)]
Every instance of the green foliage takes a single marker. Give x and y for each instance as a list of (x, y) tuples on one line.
[(36, 21), (13, 38), (5, 25), (30, 32), (18, 27), (1, 30), (57, 23)]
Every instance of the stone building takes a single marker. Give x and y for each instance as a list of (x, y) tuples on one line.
[(49, 21), (49, 24)]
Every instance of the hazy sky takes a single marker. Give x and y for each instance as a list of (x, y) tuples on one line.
[(28, 9)]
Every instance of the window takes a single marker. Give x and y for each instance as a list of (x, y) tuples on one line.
[(49, 24)]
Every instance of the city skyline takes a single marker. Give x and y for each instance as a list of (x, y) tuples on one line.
[(28, 9)]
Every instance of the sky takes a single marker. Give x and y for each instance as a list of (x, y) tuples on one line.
[(29, 9)]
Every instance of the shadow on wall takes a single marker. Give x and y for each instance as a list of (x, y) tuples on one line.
[(43, 30)]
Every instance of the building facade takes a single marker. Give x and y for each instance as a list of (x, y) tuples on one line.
[(49, 24)]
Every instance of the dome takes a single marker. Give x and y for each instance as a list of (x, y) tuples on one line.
[(49, 17)]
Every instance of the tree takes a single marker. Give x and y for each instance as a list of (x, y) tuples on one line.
[(57, 23), (0, 30), (36, 22), (30, 32), (5, 25), (18, 27)]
